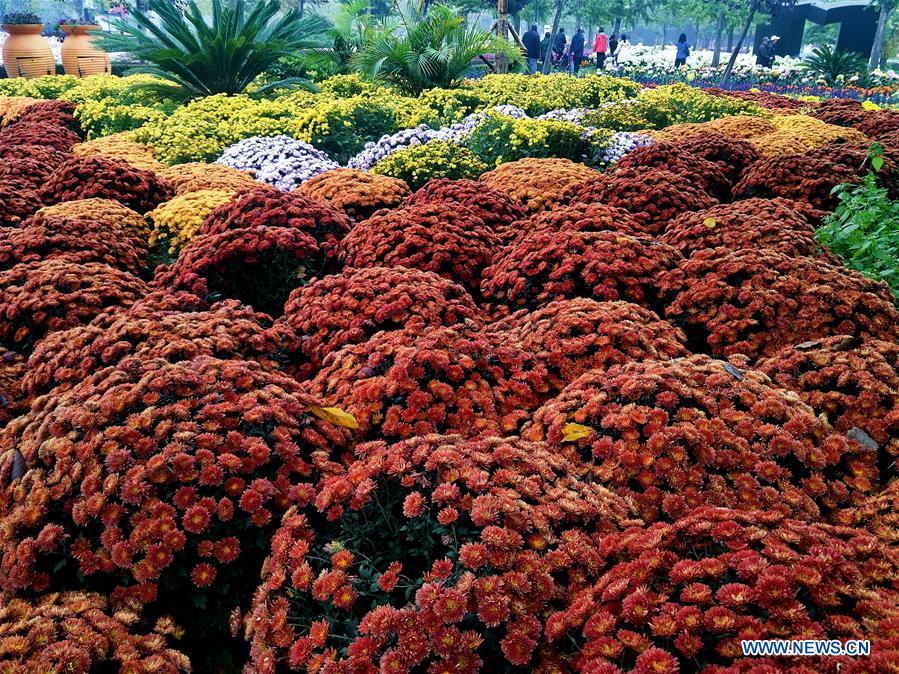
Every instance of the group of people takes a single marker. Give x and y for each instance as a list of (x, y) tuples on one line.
[(570, 56), (764, 55)]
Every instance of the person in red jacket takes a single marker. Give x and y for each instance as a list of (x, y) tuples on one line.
[(600, 45)]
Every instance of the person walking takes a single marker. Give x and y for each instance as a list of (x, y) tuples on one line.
[(613, 48), (577, 51), (544, 45), (621, 52), (600, 46), (683, 51), (766, 48), (531, 42), (559, 47)]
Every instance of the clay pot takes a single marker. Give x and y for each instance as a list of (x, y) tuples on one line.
[(80, 57), (26, 53)]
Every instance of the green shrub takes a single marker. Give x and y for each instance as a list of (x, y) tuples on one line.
[(864, 230), (626, 115), (437, 159)]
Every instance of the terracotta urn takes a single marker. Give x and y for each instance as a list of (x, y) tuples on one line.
[(26, 53), (80, 57)]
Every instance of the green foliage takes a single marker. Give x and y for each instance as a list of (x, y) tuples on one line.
[(627, 115), (437, 159), (200, 57), (864, 230), (427, 52), (439, 107), (342, 126), (832, 65), (47, 86), (501, 139), (680, 103), (344, 86)]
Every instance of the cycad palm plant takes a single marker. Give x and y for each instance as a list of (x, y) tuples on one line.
[(423, 52), (831, 64), (196, 56)]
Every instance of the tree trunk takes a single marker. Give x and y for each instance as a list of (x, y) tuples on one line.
[(753, 7), (537, 11), (557, 17), (877, 48), (730, 39), (664, 34), (719, 33), (516, 22), (502, 30), (301, 6), (616, 31), (577, 15)]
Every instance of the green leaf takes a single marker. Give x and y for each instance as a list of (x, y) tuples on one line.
[(877, 163)]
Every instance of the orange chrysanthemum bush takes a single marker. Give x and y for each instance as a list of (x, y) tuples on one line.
[(107, 212), (48, 134), (879, 514), (735, 154), (118, 146), (537, 184), (854, 383), (570, 337), (356, 193), (879, 123), (442, 237), (495, 208), (16, 204), (349, 308), (81, 240), (545, 266), (756, 302), (403, 383), (680, 597), (486, 539), (153, 476), (709, 175), (740, 126), (839, 111), (741, 225), (227, 331), (196, 176), (653, 197), (673, 435), (798, 177), (259, 266), (57, 294), (13, 399), (97, 177), (270, 207), (80, 633), (579, 217)]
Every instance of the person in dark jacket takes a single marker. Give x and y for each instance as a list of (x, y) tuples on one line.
[(559, 45), (544, 45), (531, 42), (577, 50), (613, 48), (765, 54)]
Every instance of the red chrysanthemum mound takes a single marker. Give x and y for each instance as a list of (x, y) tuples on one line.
[(855, 156), (673, 435), (139, 478), (227, 331), (495, 208), (756, 302), (579, 217), (16, 205), (268, 207), (435, 554), (680, 597), (80, 633), (55, 294), (763, 98), (356, 193), (536, 183), (13, 400), (798, 177), (547, 266), (60, 113), (444, 380), (879, 123), (349, 308), (878, 514), (48, 134), (710, 175), (97, 177), (855, 384), (258, 266), (80, 241), (570, 337), (839, 111), (442, 237), (24, 174), (735, 226), (47, 156), (734, 153), (653, 197)]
